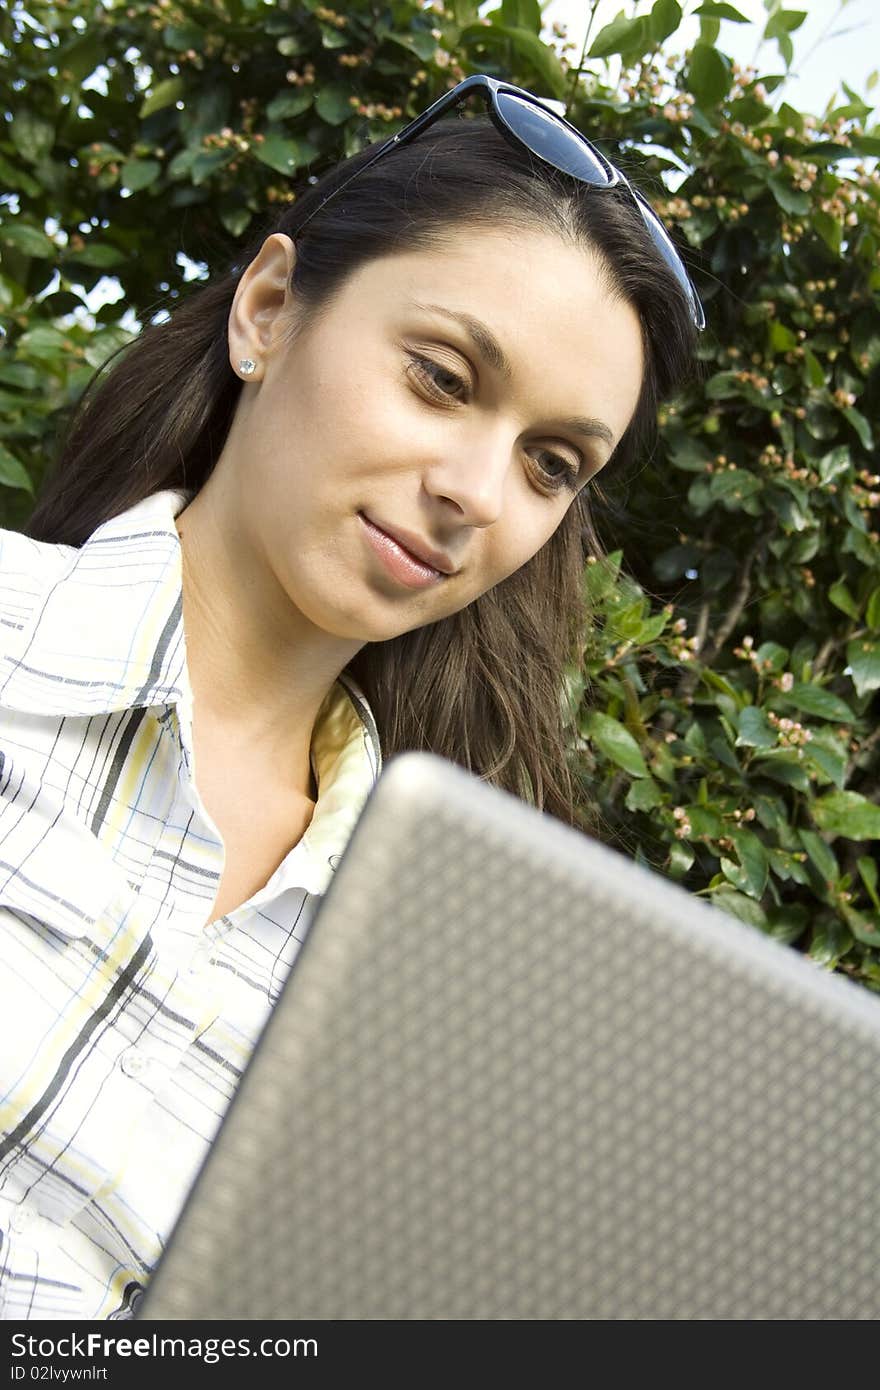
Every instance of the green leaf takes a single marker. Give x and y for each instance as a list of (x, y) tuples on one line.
[(31, 135), (791, 200), (868, 870), (772, 656), (754, 730), (812, 699), (284, 154), (705, 820), (180, 37), (830, 761), (620, 36), (43, 341), (781, 338), (716, 681), (140, 173), (651, 628), (814, 372), (785, 867), (782, 766), (788, 922), (732, 486), (829, 228), (681, 856), (863, 659), (753, 860), (688, 452), (664, 19), (860, 425), (713, 10), (709, 74), (830, 941), (331, 37), (784, 22), (81, 57), (865, 340), (19, 374), (600, 578), (289, 104), (97, 254), (822, 856), (332, 103), (643, 795), (14, 177), (841, 597), (863, 108), (770, 812), (30, 240), (739, 905), (859, 545), (837, 461), (847, 814), (424, 46), (723, 385), (541, 58), (864, 929), (616, 742), (207, 162), (173, 89), (235, 220), (291, 45), (625, 622), (872, 611), (103, 344), (13, 473), (521, 14)]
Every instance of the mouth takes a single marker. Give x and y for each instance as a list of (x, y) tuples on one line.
[(401, 561), (413, 546)]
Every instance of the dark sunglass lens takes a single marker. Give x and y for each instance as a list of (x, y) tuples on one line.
[(665, 246), (547, 137)]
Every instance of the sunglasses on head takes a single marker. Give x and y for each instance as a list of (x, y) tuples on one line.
[(522, 118)]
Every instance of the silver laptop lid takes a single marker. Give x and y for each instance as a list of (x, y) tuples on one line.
[(514, 1075)]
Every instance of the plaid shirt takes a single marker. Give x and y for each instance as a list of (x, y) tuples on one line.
[(125, 1023)]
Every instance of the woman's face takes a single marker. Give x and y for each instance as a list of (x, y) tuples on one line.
[(387, 419)]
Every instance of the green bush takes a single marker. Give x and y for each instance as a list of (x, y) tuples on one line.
[(730, 728)]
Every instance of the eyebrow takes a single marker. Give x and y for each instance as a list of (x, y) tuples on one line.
[(493, 354)]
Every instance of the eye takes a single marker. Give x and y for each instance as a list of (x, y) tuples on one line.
[(556, 469), (440, 381)]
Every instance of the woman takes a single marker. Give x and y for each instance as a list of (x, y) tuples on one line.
[(336, 507)]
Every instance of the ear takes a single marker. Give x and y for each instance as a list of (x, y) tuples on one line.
[(263, 303)]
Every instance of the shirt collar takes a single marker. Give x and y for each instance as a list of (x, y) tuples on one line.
[(106, 633)]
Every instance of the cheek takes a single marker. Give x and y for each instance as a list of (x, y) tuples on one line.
[(534, 531), (504, 556)]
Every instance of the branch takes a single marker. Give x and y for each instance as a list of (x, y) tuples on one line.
[(870, 742), (690, 679), (828, 647), (702, 624), (740, 599), (577, 72)]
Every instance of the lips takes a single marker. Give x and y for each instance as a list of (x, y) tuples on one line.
[(418, 548)]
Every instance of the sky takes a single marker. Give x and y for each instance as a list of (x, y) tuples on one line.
[(836, 41)]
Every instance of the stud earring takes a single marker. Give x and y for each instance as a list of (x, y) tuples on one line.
[(247, 365)]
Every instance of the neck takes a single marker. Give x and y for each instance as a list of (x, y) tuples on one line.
[(259, 671)]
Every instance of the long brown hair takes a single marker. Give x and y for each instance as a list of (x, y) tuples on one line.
[(484, 687)]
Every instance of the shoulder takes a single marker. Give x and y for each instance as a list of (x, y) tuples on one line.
[(28, 569)]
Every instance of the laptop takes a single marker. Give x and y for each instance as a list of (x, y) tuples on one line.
[(514, 1075)]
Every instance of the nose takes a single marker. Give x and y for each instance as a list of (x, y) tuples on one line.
[(472, 478)]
